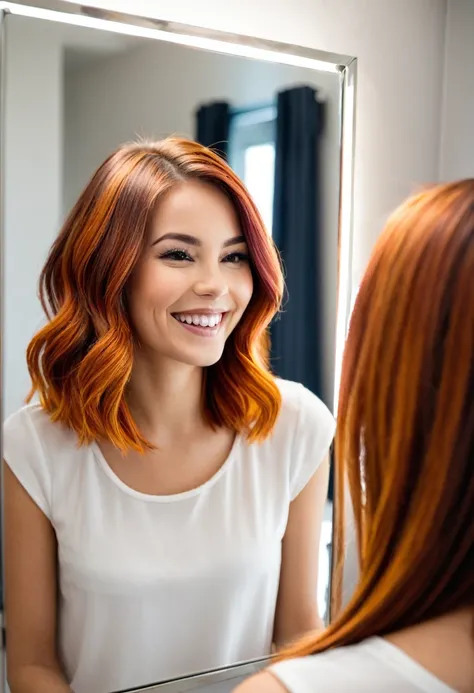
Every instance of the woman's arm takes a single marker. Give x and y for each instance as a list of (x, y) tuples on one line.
[(297, 605), (30, 594), (38, 679)]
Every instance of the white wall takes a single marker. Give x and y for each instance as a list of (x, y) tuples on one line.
[(153, 91), (136, 93), (32, 188), (400, 49), (457, 139)]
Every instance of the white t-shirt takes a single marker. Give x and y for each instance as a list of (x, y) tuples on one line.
[(372, 666), (153, 587)]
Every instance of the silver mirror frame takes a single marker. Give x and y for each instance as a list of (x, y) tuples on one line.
[(193, 683), (345, 67)]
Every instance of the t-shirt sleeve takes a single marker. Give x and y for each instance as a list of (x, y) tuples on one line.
[(293, 679), (24, 454), (314, 674), (314, 434)]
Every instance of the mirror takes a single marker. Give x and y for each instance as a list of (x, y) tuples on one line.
[(145, 548)]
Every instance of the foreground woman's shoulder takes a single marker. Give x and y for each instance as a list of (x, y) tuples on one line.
[(370, 666), (261, 683)]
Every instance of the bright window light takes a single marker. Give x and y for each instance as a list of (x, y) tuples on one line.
[(259, 175), (252, 156)]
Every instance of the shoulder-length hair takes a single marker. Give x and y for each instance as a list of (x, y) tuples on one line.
[(81, 360), (405, 440)]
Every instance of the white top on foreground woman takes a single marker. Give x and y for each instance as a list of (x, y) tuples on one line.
[(167, 485), (406, 444)]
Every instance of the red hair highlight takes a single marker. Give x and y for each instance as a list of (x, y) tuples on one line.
[(81, 360), (405, 439)]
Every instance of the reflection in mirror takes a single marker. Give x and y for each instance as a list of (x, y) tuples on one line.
[(166, 505)]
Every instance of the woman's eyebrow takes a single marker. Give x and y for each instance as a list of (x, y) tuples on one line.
[(192, 240), (183, 237)]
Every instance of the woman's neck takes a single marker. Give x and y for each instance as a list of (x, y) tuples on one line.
[(444, 647), (165, 399)]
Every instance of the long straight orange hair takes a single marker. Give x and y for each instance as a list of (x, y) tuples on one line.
[(405, 439), (81, 360)]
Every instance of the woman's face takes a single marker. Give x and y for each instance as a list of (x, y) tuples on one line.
[(193, 282)]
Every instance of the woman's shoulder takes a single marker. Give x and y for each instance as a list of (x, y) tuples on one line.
[(303, 409), (302, 435), (30, 419), (38, 451), (31, 431), (20, 423), (367, 667), (28, 411)]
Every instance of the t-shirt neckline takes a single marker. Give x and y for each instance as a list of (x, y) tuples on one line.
[(169, 498)]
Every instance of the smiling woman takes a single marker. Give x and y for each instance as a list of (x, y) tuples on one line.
[(167, 485), (81, 361)]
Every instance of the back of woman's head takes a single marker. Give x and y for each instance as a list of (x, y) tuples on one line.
[(80, 362), (405, 440)]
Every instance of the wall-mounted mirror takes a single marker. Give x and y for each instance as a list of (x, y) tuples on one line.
[(166, 495)]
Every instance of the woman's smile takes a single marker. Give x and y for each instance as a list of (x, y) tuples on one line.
[(200, 323)]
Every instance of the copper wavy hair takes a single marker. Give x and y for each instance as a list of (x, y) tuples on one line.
[(405, 440), (81, 360)]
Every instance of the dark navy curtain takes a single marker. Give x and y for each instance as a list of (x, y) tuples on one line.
[(296, 334), (212, 126)]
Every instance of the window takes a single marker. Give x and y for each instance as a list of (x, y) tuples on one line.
[(252, 155)]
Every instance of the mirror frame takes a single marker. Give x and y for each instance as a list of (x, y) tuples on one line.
[(191, 683), (344, 66)]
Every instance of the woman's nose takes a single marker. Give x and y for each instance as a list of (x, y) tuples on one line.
[(211, 282)]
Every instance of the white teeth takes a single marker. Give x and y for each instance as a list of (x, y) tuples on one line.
[(201, 320)]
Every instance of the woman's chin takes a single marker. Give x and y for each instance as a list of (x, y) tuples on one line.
[(202, 358)]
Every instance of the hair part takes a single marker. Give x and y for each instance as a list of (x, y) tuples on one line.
[(405, 439), (81, 361)]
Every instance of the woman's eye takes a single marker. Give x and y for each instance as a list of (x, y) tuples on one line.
[(176, 255), (236, 258)]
